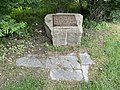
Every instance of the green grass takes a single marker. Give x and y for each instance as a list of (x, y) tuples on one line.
[(29, 83)]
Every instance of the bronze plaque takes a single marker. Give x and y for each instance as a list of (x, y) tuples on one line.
[(64, 20)]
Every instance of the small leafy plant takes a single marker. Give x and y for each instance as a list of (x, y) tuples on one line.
[(90, 24), (20, 13), (8, 26)]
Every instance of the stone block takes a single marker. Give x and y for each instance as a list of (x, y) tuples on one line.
[(64, 28)]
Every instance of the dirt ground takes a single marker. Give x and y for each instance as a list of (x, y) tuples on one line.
[(39, 44)]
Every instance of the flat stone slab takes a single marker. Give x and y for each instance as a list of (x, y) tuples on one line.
[(68, 62), (85, 69), (67, 67), (85, 58), (60, 74), (62, 67), (29, 61)]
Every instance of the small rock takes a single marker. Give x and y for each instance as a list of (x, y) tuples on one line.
[(20, 74), (101, 69), (40, 31), (22, 67)]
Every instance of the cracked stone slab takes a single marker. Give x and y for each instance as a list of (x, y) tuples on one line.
[(85, 59), (70, 68), (72, 61), (63, 62), (62, 67), (29, 61), (60, 74), (51, 62)]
